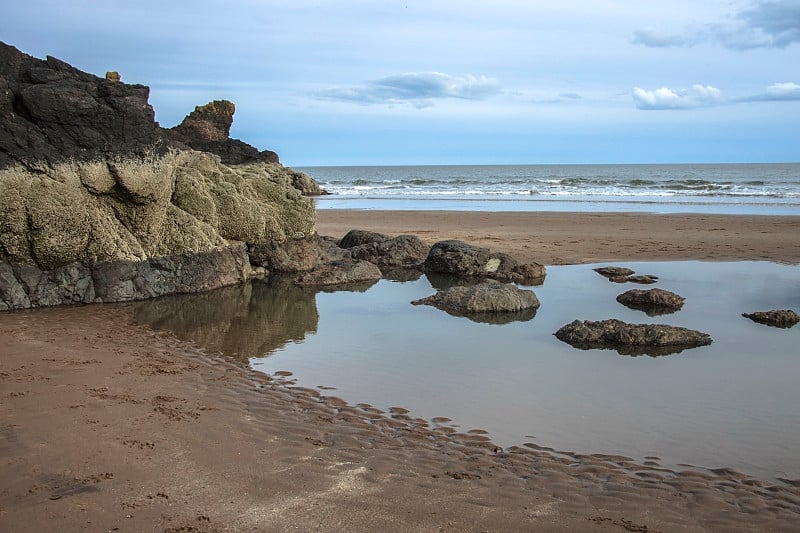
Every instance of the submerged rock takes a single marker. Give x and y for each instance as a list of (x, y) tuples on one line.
[(652, 301), (624, 275), (631, 339), (483, 300), (462, 259), (613, 271), (644, 279), (778, 318)]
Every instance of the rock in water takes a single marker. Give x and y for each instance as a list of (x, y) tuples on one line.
[(613, 271), (631, 339), (653, 301), (778, 318), (462, 259), (484, 300)]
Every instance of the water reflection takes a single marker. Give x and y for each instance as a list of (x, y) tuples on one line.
[(733, 403), (244, 321)]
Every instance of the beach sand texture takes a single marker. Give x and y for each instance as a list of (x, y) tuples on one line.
[(570, 238), (108, 426)]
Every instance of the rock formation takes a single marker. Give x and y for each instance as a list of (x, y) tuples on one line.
[(95, 206), (462, 259), (207, 129), (631, 339), (403, 251), (51, 112), (486, 301), (785, 318), (654, 302), (625, 275)]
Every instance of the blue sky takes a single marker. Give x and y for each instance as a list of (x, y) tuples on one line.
[(453, 82)]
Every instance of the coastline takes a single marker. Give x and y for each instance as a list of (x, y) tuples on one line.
[(556, 238), (107, 424)]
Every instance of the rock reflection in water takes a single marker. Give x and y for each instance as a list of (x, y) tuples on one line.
[(250, 320)]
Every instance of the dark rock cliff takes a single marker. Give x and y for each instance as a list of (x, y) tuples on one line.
[(99, 203), (51, 112)]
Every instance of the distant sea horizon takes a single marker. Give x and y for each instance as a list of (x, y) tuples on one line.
[(723, 188)]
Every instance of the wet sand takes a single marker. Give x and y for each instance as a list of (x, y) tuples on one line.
[(571, 238), (108, 426)]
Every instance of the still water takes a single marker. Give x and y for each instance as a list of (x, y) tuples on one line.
[(735, 403)]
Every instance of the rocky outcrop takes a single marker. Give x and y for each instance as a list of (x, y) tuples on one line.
[(654, 302), (625, 275), (785, 318), (207, 129), (465, 260), (631, 339), (484, 301), (87, 181), (51, 112), (23, 285)]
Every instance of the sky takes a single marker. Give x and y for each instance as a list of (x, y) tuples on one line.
[(368, 82)]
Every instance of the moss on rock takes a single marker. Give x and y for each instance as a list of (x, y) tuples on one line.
[(136, 208)]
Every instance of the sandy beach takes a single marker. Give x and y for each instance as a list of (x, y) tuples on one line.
[(570, 238), (106, 425)]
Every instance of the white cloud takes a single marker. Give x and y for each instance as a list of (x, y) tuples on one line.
[(419, 89), (777, 92), (768, 24), (665, 98)]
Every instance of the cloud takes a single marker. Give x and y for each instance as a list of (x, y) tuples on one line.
[(419, 89), (707, 96), (665, 98), (777, 92), (768, 24)]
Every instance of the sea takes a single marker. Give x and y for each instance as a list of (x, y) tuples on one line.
[(772, 188)]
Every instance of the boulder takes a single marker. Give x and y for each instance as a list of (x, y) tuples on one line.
[(631, 339), (778, 318), (654, 302), (358, 237), (295, 255), (465, 260), (341, 272), (487, 298), (401, 251)]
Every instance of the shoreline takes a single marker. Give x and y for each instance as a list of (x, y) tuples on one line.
[(555, 238), (108, 424)]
